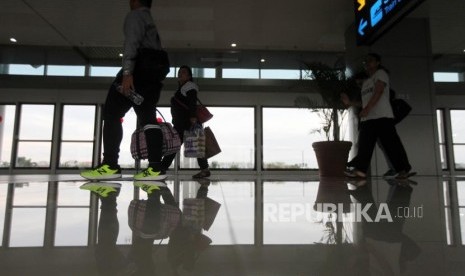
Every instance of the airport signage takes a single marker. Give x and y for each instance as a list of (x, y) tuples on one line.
[(374, 17)]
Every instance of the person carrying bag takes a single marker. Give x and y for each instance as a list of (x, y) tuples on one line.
[(184, 113)]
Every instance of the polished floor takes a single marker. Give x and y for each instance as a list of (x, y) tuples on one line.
[(233, 226)]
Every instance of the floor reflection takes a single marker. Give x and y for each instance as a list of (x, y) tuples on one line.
[(328, 227)]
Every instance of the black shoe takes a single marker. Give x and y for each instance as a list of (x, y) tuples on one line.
[(390, 173), (355, 173), (402, 175), (202, 174), (203, 181)]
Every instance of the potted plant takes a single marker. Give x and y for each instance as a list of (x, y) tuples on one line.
[(329, 83)]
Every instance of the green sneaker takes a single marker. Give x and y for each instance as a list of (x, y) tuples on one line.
[(101, 188), (103, 172), (149, 186), (150, 174)]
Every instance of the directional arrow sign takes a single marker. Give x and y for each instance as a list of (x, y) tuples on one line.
[(373, 18), (363, 23), (362, 4)]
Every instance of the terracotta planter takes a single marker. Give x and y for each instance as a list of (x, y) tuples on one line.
[(332, 157), (333, 190)]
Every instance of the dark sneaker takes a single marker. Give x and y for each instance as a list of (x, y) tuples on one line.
[(390, 173), (355, 173), (203, 181), (202, 174), (103, 172), (355, 183), (402, 175), (102, 189), (405, 174), (401, 182), (150, 174), (350, 173)]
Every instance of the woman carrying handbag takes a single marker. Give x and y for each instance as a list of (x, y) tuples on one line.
[(183, 111)]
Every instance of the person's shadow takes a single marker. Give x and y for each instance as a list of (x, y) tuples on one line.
[(388, 248), (109, 258), (188, 241), (151, 220)]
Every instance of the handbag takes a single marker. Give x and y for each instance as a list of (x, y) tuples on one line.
[(400, 109), (193, 213), (201, 113), (211, 210), (194, 142), (211, 144), (146, 225), (171, 141)]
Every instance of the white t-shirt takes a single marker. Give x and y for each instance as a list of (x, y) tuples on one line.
[(188, 86), (383, 108)]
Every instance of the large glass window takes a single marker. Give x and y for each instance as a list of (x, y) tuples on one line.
[(66, 70), (447, 212), (461, 205), (72, 227), (104, 71), (234, 130), (240, 73), (72, 219), (77, 136), (28, 215), (458, 137), (3, 195), (203, 73), (27, 227), (35, 135), (288, 134), (280, 74), (7, 119), (442, 138), (445, 77), (25, 69)]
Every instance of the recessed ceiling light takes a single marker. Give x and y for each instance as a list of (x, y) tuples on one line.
[(233, 45), (262, 60), (12, 39), (120, 55)]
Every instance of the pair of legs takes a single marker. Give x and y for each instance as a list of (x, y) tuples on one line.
[(168, 159), (391, 171), (142, 248), (109, 259), (148, 86), (384, 130), (116, 106)]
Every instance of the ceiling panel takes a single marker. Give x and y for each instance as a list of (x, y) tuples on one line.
[(293, 25)]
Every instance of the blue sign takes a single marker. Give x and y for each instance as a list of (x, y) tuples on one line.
[(374, 17)]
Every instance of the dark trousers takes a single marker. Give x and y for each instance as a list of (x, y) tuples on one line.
[(168, 159), (109, 258), (117, 105), (141, 253), (384, 130)]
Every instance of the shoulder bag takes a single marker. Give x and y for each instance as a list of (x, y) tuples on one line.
[(202, 113)]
